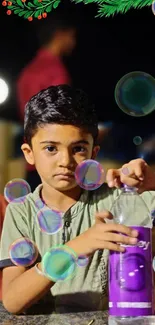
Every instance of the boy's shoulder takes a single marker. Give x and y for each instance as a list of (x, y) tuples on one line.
[(99, 199), (104, 197)]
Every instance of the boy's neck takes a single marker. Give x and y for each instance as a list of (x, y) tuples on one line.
[(58, 200)]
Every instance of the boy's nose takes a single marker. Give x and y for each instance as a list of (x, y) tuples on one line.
[(66, 160)]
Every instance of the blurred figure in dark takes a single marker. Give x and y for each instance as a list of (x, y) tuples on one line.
[(57, 39)]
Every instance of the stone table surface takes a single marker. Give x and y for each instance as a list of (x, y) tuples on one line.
[(80, 318)]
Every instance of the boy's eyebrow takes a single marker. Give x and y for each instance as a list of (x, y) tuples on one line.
[(55, 142)]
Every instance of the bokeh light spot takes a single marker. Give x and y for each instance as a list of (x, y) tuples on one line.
[(137, 140), (4, 91)]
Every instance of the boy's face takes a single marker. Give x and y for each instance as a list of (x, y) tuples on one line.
[(56, 151)]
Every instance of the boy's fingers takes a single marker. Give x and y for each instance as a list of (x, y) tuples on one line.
[(113, 176), (121, 229), (134, 168), (100, 216)]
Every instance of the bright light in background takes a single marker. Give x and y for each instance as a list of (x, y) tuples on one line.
[(4, 91)]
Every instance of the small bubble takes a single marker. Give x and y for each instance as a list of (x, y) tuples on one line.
[(125, 171), (153, 263), (82, 260), (153, 215), (16, 190), (137, 140), (39, 203)]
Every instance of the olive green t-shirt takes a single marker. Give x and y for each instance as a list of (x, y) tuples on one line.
[(87, 289)]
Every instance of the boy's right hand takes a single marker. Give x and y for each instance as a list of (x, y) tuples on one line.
[(103, 236)]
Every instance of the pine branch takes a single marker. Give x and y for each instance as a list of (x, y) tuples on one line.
[(108, 8)]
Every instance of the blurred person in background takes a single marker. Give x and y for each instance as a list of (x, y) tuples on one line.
[(57, 38)]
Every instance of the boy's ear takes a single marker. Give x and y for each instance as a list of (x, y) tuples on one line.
[(95, 152), (28, 153)]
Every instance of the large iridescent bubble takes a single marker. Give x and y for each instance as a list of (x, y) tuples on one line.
[(135, 93), (59, 263), (90, 174)]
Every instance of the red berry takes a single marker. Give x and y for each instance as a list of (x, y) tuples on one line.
[(9, 3), (39, 17), (30, 18), (4, 3), (9, 12), (44, 15), (39, 0), (23, 0)]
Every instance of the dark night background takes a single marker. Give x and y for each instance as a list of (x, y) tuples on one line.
[(107, 49)]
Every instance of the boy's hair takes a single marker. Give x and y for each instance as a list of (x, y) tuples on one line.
[(60, 104), (45, 31)]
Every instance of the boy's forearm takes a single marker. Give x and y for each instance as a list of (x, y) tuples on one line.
[(25, 291), (30, 287)]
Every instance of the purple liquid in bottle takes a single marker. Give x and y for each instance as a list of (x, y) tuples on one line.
[(131, 273)]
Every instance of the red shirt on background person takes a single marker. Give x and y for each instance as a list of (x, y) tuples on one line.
[(43, 71), (57, 36)]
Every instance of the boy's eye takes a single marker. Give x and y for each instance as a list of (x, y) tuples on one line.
[(79, 149), (50, 148)]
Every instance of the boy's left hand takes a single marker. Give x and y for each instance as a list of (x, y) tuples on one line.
[(136, 173)]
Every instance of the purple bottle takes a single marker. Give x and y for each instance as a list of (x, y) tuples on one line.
[(131, 272)]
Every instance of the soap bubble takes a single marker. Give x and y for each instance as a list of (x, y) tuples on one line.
[(59, 263), (82, 260), (153, 7), (153, 215), (125, 171), (90, 174), (16, 190), (39, 204), (135, 93), (153, 263), (50, 220), (23, 252), (137, 140)]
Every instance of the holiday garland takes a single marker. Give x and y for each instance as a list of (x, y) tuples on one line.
[(31, 9), (40, 8)]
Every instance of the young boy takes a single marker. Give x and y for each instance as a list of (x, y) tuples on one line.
[(61, 129)]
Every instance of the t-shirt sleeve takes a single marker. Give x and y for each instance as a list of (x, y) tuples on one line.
[(14, 227)]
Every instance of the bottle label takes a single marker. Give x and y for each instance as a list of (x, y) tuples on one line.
[(131, 278)]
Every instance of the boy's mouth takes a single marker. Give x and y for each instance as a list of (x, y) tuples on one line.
[(64, 175)]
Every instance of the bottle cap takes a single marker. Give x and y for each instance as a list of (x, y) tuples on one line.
[(129, 188)]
